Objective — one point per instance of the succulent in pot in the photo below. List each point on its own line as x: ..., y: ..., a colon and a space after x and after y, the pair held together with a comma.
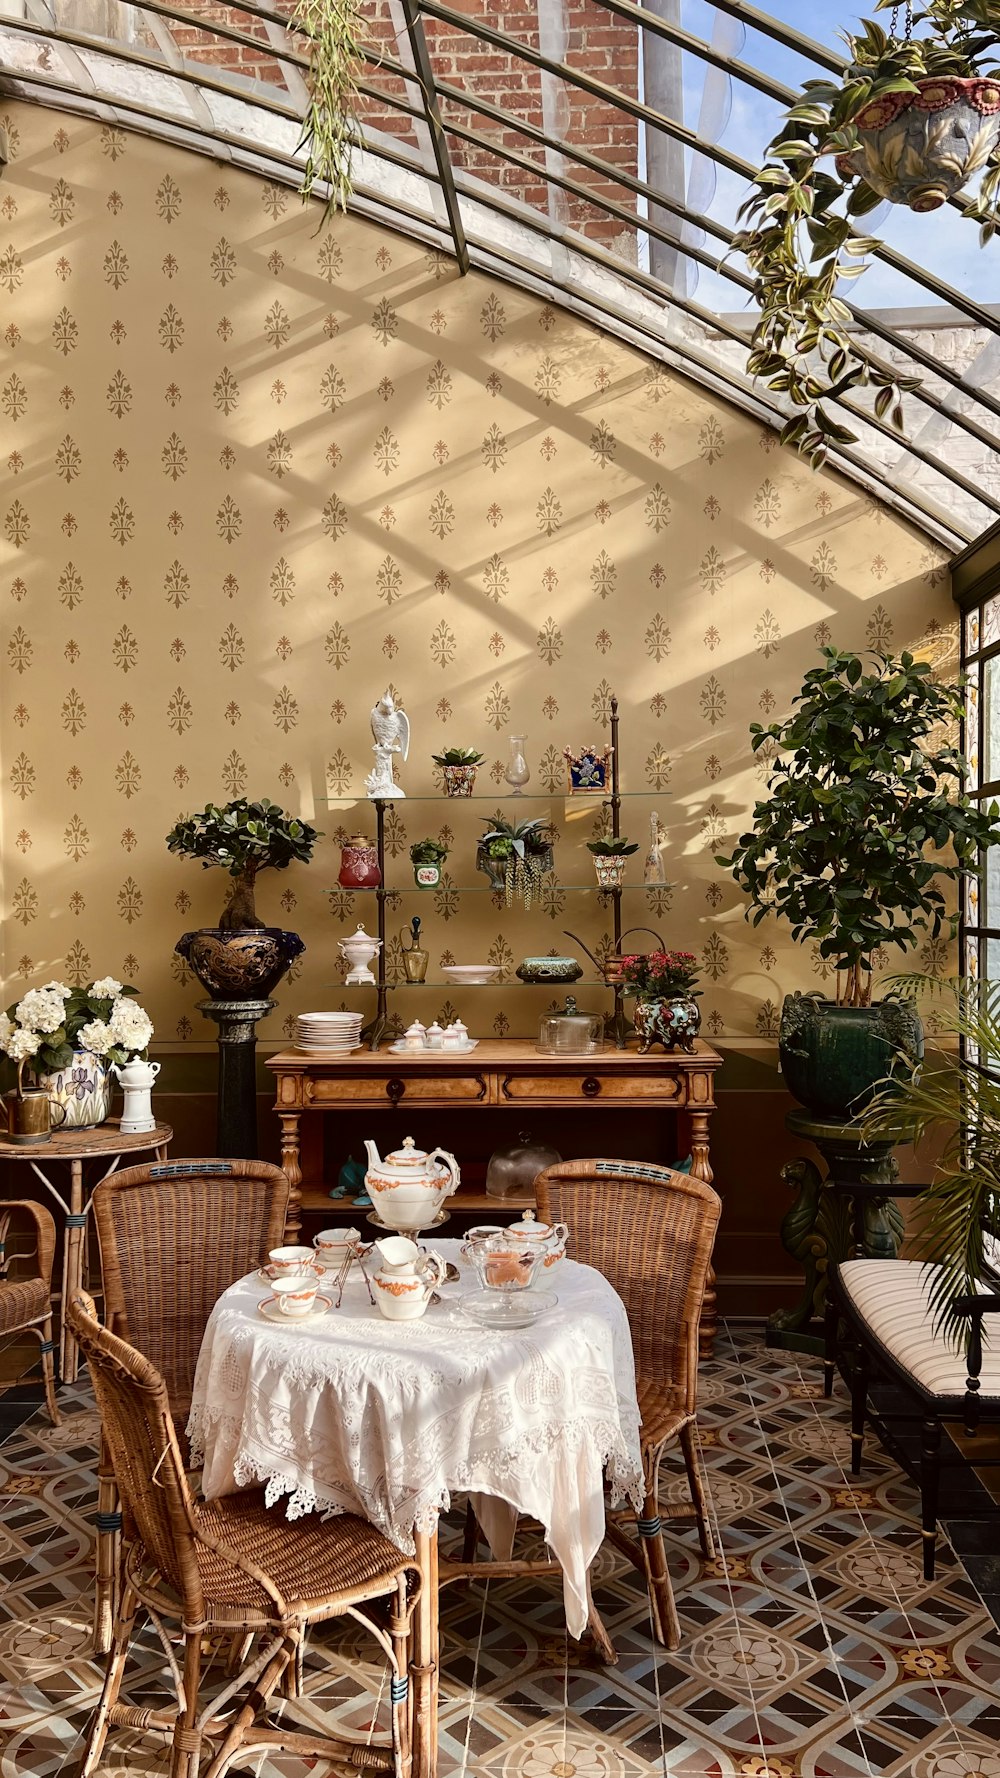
x: 609, y: 857
x: 427, y: 857
x: 664, y: 985
x: 865, y: 812
x: 241, y: 958
x: 459, y: 766
x: 515, y: 856
x: 911, y: 119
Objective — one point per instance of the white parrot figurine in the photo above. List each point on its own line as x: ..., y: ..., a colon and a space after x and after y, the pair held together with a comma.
x: 391, y: 730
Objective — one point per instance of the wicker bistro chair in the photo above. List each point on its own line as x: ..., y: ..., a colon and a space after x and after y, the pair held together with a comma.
x: 26, y: 1300
x: 230, y: 1568
x: 173, y: 1236
x: 650, y: 1231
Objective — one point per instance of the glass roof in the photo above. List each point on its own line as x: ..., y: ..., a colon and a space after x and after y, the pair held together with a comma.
x: 593, y: 150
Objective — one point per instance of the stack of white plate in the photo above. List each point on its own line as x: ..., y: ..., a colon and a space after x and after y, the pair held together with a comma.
x: 339, y: 1031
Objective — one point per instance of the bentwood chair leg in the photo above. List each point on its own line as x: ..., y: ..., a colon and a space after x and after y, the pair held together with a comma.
x: 859, y: 1407
x: 831, y: 1318
x: 930, y: 1471
x: 652, y: 1556
x: 470, y: 1537
x: 121, y: 1637
x: 186, y: 1746
x: 595, y: 1623
x: 399, y: 1682
x: 49, y: 1371
x: 696, y: 1483
x: 109, y: 1521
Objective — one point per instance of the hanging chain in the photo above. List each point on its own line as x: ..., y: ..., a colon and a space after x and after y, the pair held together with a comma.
x: 894, y: 21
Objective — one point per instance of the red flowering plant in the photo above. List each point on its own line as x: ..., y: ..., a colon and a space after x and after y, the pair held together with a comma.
x: 661, y: 975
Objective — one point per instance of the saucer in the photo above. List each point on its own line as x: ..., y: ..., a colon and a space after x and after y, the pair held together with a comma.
x: 509, y: 1308
x: 271, y: 1311
x: 442, y: 1216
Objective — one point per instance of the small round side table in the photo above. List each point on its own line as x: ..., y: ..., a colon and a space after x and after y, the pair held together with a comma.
x: 71, y: 1148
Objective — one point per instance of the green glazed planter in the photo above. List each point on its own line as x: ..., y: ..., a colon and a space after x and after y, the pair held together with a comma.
x: 833, y: 1057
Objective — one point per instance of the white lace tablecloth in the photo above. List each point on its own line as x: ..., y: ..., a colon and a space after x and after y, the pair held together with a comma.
x: 388, y: 1418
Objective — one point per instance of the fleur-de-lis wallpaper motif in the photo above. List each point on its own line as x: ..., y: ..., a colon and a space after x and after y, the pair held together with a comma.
x: 297, y: 462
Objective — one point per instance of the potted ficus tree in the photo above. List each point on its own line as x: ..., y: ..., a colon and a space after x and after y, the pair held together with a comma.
x: 913, y: 119
x: 865, y: 814
x: 241, y: 958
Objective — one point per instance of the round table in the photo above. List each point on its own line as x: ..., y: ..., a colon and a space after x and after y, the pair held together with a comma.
x: 71, y: 1148
x: 355, y: 1413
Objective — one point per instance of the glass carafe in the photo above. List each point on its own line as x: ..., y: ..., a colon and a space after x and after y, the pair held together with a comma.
x: 518, y: 772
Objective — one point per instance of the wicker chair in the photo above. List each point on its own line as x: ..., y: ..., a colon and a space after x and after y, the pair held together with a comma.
x: 26, y: 1301
x: 173, y: 1237
x: 230, y: 1569
x: 650, y: 1231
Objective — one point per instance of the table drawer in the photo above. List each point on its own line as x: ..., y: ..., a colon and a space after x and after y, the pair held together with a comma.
x: 590, y: 1085
x: 396, y: 1089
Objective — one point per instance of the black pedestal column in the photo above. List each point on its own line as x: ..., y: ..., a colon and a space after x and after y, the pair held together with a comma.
x: 236, y: 1128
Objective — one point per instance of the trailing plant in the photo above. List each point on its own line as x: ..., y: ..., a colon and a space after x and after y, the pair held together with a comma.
x: 956, y: 1098
x: 335, y: 56
x: 801, y: 241
x: 661, y: 975
x: 458, y: 756
x: 865, y: 812
x: 428, y: 852
x: 243, y: 838
x: 525, y: 849
x: 612, y: 848
x: 44, y: 1028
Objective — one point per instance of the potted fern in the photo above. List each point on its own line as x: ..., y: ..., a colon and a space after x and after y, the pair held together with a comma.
x: 241, y: 958
x: 865, y: 814
x: 911, y: 119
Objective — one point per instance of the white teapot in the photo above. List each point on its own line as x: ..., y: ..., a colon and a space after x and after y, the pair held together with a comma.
x: 409, y: 1187
x: 136, y: 1081
x: 406, y: 1278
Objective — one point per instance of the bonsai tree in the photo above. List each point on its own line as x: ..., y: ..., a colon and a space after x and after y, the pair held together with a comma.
x: 515, y: 855
x: 243, y: 838
x: 864, y: 814
x: 902, y: 125
x: 957, y: 1098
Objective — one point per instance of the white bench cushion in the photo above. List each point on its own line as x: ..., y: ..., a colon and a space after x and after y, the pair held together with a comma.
x: 892, y: 1296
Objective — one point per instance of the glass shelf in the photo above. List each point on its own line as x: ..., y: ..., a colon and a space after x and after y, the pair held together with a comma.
x: 580, y: 799
x: 484, y: 889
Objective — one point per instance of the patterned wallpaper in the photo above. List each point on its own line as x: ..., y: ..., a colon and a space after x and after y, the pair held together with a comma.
x: 256, y: 470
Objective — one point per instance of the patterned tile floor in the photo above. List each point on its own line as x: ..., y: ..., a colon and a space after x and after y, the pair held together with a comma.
x: 812, y: 1647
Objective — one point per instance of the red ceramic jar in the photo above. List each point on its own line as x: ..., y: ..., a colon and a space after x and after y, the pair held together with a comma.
x: 359, y: 864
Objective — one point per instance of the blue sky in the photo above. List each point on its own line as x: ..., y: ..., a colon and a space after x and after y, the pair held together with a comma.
x: 941, y: 240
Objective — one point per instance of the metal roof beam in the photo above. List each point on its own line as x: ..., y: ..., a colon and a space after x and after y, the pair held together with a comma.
x: 446, y: 175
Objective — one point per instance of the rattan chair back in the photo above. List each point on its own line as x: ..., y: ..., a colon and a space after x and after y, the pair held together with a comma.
x: 650, y: 1231
x: 173, y: 1237
x: 139, y: 1431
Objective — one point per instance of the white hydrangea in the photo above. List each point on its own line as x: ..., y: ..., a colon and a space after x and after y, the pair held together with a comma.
x: 40, y: 1010
x: 131, y: 1027
x: 97, y: 1037
x: 106, y: 989
x: 22, y: 1043
x: 6, y: 1028
x: 57, y: 988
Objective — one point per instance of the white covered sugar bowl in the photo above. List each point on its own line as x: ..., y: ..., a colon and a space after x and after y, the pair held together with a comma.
x: 409, y: 1187
x: 547, y: 1240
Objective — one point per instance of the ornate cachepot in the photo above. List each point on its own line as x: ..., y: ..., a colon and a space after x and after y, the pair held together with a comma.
x: 244, y: 964
x: 832, y: 1057
x: 674, y: 1023
x: 83, y: 1089
x: 919, y: 149
x: 459, y: 780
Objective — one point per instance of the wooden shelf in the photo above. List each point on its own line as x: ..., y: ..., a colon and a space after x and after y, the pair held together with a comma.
x: 316, y: 1197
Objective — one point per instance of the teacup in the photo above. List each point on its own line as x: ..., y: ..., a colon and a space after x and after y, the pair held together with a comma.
x: 333, y: 1245
x: 296, y: 1293
x: 283, y: 1262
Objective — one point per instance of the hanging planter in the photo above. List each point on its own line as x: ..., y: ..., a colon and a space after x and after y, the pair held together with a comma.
x: 914, y: 119
x: 329, y: 125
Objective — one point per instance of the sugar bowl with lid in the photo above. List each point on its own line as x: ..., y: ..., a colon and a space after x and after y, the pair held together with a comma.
x: 546, y: 1240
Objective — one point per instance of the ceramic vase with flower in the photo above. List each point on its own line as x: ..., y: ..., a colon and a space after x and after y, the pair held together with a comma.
x: 70, y: 1038
x: 663, y: 984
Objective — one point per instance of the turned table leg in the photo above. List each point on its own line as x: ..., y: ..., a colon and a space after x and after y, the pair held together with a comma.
x: 76, y: 1220
x: 292, y: 1171
x: 701, y: 1168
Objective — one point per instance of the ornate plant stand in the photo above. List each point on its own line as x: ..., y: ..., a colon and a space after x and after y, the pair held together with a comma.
x: 849, y: 1212
x: 236, y: 1107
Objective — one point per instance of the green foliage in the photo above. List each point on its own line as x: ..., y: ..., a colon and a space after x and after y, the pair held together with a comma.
x: 612, y: 848
x: 954, y: 1097
x: 527, y: 848
x: 243, y: 838
x: 801, y: 219
x: 428, y: 852
x: 335, y: 58
x: 865, y: 812
x: 458, y: 756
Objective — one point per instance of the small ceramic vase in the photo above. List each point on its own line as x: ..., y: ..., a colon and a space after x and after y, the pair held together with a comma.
x: 459, y: 780
x: 359, y: 864
x: 674, y: 1023
x: 610, y: 868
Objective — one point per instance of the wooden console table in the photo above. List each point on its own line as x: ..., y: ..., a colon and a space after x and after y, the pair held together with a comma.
x: 499, y: 1072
